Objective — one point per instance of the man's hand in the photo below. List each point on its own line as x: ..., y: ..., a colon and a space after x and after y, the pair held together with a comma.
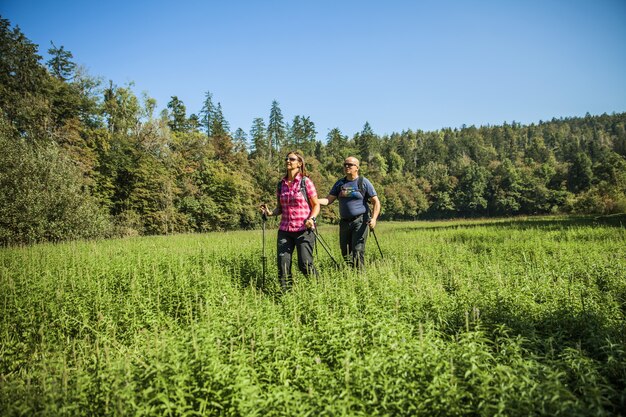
x: 372, y: 223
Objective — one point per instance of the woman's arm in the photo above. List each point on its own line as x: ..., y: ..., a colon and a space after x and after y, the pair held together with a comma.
x: 315, y: 210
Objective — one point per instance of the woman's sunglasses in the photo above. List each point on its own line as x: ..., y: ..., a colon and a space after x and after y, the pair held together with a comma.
x: 291, y: 159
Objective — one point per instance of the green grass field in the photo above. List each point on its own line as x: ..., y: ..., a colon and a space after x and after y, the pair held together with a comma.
x: 483, y: 317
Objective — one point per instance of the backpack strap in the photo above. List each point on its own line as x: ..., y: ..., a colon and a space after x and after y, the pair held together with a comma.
x: 304, y: 191
x: 359, y: 182
x: 364, y: 194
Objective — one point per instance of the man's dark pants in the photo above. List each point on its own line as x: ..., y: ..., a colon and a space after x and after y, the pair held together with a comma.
x: 352, y: 238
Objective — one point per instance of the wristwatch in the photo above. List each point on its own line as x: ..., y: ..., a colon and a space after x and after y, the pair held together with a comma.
x: 314, y: 219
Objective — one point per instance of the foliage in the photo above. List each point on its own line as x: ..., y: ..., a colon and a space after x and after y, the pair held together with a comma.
x: 42, y: 196
x: 519, y: 317
x: 152, y: 174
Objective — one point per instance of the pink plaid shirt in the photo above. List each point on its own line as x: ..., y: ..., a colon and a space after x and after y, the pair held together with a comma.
x: 295, y: 209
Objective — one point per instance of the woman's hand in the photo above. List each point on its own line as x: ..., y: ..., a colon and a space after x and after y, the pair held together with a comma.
x: 264, y: 210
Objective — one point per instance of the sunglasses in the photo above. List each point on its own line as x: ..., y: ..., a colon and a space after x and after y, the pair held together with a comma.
x: 292, y: 159
x: 349, y: 165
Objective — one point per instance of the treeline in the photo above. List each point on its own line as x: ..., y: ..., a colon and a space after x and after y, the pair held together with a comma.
x: 84, y: 158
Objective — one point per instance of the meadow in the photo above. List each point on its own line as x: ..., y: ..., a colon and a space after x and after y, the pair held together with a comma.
x: 522, y: 316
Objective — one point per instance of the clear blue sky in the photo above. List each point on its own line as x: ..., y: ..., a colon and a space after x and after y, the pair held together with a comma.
x: 396, y: 64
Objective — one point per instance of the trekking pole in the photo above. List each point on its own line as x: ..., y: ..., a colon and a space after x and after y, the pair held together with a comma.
x: 377, y: 244
x: 325, y: 246
x: 263, y: 257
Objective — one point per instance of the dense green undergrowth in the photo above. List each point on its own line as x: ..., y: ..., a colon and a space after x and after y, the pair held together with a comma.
x: 484, y: 317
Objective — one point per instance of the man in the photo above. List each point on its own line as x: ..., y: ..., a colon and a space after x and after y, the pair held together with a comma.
x: 353, y: 193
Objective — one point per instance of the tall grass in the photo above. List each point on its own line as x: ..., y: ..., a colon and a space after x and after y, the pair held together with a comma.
x: 520, y: 317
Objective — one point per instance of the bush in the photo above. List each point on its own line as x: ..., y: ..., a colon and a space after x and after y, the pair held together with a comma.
x: 602, y: 199
x: 42, y: 196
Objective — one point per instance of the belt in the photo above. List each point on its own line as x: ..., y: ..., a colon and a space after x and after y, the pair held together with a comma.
x: 349, y: 219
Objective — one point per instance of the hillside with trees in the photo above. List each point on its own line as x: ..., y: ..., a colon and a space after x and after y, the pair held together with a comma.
x: 84, y: 158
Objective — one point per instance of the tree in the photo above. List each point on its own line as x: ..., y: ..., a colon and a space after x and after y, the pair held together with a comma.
x: 275, y: 130
x: 152, y: 195
x: 224, y: 199
x: 121, y: 109
x: 366, y: 142
x: 336, y: 142
x: 441, y: 188
x: 506, y: 188
x: 207, y: 113
x: 240, y: 141
x: 302, y: 134
x: 471, y: 192
x: 23, y: 85
x: 193, y: 123
x: 401, y: 196
x: 219, y: 125
x: 260, y: 148
x: 580, y: 173
x: 177, y: 115
x: 431, y: 147
x: 60, y: 63
x: 537, y: 149
x: 395, y: 162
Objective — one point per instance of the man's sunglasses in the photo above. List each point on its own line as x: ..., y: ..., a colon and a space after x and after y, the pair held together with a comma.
x: 349, y: 165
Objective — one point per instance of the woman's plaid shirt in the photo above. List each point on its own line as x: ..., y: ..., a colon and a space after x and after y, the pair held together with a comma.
x: 295, y: 209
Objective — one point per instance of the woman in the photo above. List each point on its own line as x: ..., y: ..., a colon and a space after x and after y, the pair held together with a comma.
x: 298, y: 206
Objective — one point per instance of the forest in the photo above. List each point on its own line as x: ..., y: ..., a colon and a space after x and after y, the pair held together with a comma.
x: 87, y: 158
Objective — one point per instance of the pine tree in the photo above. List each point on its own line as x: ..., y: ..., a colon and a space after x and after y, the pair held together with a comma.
x: 219, y: 126
x: 258, y: 139
x: 207, y: 113
x: 60, y: 63
x: 275, y: 130
x: 366, y: 143
x: 302, y: 134
x: 240, y: 140
x: 23, y: 84
x: 178, y: 115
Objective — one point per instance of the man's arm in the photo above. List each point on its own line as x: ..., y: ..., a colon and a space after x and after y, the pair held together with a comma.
x: 375, y: 211
x: 328, y: 200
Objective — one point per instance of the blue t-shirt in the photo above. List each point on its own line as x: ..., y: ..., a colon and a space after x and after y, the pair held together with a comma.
x: 351, y: 201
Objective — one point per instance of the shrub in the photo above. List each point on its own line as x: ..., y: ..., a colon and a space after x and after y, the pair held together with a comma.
x: 42, y: 196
